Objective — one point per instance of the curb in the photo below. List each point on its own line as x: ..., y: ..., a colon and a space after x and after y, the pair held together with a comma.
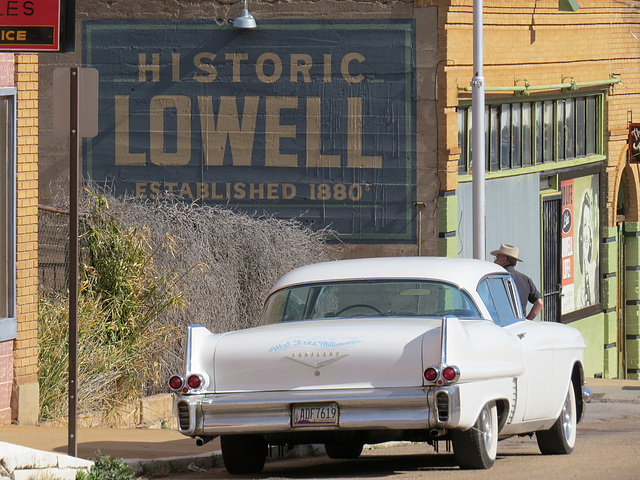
x: 170, y: 465
x: 197, y: 463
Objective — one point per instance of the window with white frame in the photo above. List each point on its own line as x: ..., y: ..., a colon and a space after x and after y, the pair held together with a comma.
x: 8, y: 326
x: 521, y: 134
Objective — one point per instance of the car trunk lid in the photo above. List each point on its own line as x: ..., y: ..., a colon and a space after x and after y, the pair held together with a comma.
x: 326, y: 354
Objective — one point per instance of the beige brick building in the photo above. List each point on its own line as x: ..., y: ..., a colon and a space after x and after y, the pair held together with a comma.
x: 25, y: 389
x: 538, y: 59
x: 19, y: 341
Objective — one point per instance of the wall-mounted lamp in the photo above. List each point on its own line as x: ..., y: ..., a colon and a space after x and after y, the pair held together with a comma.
x: 568, y: 6
x: 246, y: 20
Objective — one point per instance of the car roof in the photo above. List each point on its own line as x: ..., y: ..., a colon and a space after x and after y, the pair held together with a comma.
x: 464, y: 272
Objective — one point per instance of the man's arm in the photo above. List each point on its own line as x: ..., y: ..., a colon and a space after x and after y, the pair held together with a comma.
x: 535, y: 310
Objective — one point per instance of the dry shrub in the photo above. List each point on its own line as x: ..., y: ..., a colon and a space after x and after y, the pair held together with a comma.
x: 121, y: 296
x: 238, y: 259
x: 150, y: 269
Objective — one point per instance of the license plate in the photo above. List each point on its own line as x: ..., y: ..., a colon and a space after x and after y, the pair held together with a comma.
x: 313, y: 414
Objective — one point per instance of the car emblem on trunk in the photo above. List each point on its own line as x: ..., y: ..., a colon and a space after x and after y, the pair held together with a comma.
x: 316, y: 359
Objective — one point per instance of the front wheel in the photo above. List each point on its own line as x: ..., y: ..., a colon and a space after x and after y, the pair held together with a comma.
x: 477, y: 447
x: 243, y: 454
x: 561, y: 438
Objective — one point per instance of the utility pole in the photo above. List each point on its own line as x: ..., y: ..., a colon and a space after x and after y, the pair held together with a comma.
x: 477, y: 139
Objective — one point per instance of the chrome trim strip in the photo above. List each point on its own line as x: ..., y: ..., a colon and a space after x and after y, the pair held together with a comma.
x: 319, y: 364
x: 189, y: 349
x: 443, y: 342
x: 263, y: 412
x: 453, y: 392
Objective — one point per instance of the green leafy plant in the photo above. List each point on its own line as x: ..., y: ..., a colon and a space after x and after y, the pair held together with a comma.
x: 121, y: 297
x: 107, y: 468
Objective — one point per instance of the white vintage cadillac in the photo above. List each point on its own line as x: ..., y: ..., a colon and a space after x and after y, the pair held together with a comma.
x: 366, y: 351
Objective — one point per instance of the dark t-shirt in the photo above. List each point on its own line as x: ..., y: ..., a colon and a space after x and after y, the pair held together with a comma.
x: 527, y: 290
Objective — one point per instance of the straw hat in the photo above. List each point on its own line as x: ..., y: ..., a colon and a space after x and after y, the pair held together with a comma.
x: 508, y: 251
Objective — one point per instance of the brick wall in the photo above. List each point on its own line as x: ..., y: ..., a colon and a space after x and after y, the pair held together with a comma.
x: 25, y: 410
x: 6, y: 378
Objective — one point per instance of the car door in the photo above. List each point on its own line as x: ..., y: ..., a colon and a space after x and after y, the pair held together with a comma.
x: 536, y: 387
x: 540, y: 370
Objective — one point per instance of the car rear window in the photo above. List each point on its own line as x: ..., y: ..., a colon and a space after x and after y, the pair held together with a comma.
x: 368, y: 299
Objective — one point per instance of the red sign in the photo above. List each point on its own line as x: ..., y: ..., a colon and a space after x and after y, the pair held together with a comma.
x: 30, y: 25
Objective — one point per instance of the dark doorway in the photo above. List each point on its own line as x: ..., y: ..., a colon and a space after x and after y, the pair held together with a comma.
x: 552, y: 281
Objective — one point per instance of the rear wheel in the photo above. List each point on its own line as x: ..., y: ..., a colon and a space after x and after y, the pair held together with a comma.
x: 477, y: 447
x: 561, y: 438
x: 343, y: 450
x: 243, y: 453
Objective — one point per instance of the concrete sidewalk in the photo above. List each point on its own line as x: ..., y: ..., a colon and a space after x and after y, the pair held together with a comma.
x: 150, y: 450
x: 614, y: 391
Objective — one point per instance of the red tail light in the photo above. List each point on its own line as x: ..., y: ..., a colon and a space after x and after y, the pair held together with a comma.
x: 194, y: 381
x: 176, y: 382
x: 430, y: 374
x: 449, y: 373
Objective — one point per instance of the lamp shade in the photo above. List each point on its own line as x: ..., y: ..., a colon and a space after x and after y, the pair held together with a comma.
x: 568, y: 6
x: 245, y: 20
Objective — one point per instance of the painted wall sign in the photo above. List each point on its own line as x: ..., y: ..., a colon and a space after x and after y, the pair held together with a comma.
x: 634, y: 143
x: 580, y: 241
x: 30, y: 25
x: 310, y: 119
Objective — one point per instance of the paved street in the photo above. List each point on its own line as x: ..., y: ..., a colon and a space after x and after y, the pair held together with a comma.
x: 607, y: 448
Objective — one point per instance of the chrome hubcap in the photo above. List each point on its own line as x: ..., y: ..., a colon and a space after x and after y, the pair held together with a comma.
x: 567, y: 417
x: 486, y: 428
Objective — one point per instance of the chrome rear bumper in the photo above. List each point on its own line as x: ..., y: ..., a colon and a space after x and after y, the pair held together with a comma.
x: 360, y: 409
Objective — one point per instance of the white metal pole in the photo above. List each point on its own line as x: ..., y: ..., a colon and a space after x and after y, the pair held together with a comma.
x: 477, y: 140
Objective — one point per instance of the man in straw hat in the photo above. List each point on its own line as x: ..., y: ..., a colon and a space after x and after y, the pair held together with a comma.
x: 507, y: 257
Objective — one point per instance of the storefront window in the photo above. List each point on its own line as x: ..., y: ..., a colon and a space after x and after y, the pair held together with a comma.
x: 494, y: 139
x: 521, y: 134
x: 562, y: 125
x: 591, y: 127
x: 7, y: 216
x: 570, y: 128
x: 505, y: 150
x: 487, y: 139
x: 462, y: 139
x: 527, y: 152
x: 581, y: 144
x: 547, y: 133
x: 516, y: 136
x: 539, y: 132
